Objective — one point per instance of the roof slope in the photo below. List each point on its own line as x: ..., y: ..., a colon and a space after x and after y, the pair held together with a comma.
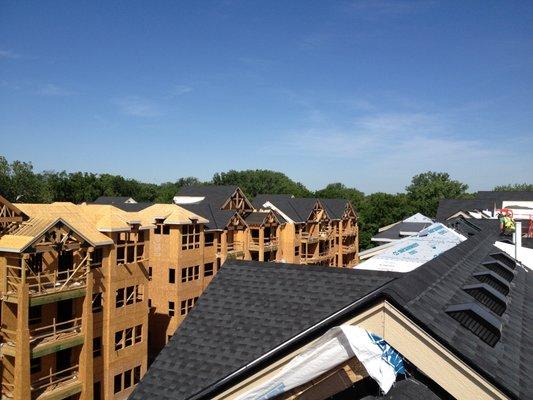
x: 426, y: 292
x: 499, y: 197
x: 216, y: 195
x: 270, y: 304
x: 400, y: 230
x: 449, y: 207
x: 297, y: 209
x: 112, y: 199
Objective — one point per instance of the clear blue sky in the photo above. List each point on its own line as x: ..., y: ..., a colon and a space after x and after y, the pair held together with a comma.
x: 368, y: 93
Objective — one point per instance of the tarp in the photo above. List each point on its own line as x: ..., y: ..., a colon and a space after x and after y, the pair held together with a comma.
x: 337, y: 345
x: 410, y: 253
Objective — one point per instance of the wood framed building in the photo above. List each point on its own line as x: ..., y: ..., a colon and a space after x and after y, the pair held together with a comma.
x: 74, y: 314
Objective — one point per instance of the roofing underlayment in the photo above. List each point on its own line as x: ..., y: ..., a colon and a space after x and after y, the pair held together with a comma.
x: 410, y: 253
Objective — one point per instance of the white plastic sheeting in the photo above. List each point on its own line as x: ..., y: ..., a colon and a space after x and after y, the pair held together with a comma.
x: 410, y: 253
x: 337, y: 345
x: 418, y: 218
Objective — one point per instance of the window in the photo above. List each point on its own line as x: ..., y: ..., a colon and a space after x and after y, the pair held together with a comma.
x: 97, y: 390
x: 97, y: 346
x: 138, y: 333
x: 119, y: 336
x: 208, y: 269
x: 129, y: 295
x: 97, y: 302
x: 187, y: 305
x: 157, y: 230
x: 96, y: 258
x: 130, y: 247
x: 35, y: 365
x: 297, y: 251
x: 209, y: 239
x: 118, y: 383
x: 119, y: 299
x: 190, y: 273
x: 34, y: 316
x: 149, y: 303
x: 136, y: 374
x: 128, y: 337
x: 170, y: 308
x: 35, y: 262
x: 166, y: 230
x: 171, y: 275
x: 127, y: 379
x: 190, y: 237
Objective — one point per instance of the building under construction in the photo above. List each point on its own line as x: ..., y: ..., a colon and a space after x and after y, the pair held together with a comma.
x: 91, y: 293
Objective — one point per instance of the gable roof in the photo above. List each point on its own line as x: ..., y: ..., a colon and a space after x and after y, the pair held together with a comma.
x: 257, y: 218
x: 215, y: 195
x: 334, y: 207
x: 113, y: 200
x: 297, y: 209
x: 450, y: 207
x: 271, y: 304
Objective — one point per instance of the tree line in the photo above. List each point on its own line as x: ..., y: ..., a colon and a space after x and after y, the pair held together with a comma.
x: 20, y: 183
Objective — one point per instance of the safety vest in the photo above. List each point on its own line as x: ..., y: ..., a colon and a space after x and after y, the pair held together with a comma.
x: 508, y: 224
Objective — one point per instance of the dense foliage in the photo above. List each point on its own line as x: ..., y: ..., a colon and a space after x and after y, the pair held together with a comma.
x: 18, y: 182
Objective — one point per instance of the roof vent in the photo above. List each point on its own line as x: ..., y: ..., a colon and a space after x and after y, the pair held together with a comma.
x: 489, y: 297
x: 493, y: 280
x: 504, y: 258
x: 501, y: 269
x: 477, y: 320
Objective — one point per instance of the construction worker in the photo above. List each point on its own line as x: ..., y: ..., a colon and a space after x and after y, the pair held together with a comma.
x: 507, y: 224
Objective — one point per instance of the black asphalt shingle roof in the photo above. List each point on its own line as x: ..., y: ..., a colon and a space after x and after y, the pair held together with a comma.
x: 218, y: 219
x: 449, y: 207
x: 132, y: 207
x: 393, y: 233
x: 271, y: 303
x: 500, y: 197
x: 215, y: 195
x: 111, y: 199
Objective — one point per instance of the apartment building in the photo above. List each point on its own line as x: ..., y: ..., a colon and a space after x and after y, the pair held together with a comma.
x: 316, y: 231
x: 74, y: 313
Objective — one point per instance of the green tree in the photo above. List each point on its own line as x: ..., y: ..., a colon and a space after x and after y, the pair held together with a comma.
x: 520, y: 187
x: 340, y: 191
x: 254, y: 182
x: 428, y: 188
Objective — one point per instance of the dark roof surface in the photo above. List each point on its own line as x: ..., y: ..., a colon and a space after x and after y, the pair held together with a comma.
x: 111, y: 199
x: 271, y: 303
x: 296, y: 208
x: 132, y: 207
x: 334, y: 207
x: 216, y: 195
x: 406, y: 389
x: 393, y: 233
x: 500, y: 197
x: 448, y: 207
x: 257, y: 217
x: 218, y: 219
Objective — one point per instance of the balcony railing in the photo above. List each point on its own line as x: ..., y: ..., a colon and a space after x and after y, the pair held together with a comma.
x: 308, y: 237
x: 351, y: 231
x: 8, y: 390
x: 55, y: 331
x: 54, y: 380
x: 44, y: 283
x: 325, y: 234
x: 349, y: 248
x: 268, y: 243
x: 233, y: 247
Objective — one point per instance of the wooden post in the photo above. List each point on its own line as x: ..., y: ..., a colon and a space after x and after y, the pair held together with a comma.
x: 86, y: 355
x: 22, y: 347
x: 262, y: 243
x: 340, y: 250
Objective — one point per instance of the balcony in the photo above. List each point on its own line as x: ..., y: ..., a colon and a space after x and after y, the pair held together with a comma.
x: 351, y: 231
x: 307, y: 237
x: 233, y: 249
x: 47, y: 339
x: 57, y: 385
x: 47, y: 287
x: 325, y: 234
x: 349, y: 248
x: 269, y: 244
x: 312, y: 258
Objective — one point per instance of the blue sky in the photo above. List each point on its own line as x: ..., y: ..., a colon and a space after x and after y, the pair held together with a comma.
x: 368, y: 93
